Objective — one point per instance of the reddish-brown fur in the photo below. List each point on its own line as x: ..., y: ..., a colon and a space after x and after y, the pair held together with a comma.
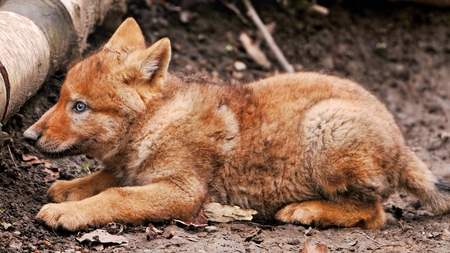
x: 304, y: 148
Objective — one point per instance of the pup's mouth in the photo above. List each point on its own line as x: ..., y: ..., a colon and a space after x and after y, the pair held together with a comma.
x: 56, y: 154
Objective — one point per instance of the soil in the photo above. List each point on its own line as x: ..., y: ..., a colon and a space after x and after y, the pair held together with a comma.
x: 400, y: 52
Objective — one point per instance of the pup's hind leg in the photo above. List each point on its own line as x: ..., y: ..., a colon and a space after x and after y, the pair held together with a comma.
x: 322, y: 213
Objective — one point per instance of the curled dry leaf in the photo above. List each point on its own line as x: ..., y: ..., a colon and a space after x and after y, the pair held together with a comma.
x: 33, y: 160
x: 254, y: 51
x: 255, y: 236
x: 200, y: 221
x: 224, y: 213
x: 152, y: 232
x: 167, y: 233
x: 53, y: 174
x: 114, y: 228
x: 50, y: 169
x: 27, y: 158
x: 319, y: 248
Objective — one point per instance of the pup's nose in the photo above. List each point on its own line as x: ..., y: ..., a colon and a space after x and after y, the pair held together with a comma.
x: 31, y: 136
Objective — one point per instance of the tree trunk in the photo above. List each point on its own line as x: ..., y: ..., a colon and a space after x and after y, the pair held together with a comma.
x: 38, y: 38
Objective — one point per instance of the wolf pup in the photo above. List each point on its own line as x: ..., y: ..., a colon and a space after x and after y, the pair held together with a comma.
x: 303, y: 148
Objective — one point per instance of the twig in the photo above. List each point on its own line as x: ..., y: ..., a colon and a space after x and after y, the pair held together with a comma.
x: 234, y: 9
x: 319, y: 9
x: 390, y: 246
x: 370, y: 238
x: 269, y: 39
x: 12, y: 157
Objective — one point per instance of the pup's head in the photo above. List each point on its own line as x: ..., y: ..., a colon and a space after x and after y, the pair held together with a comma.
x: 103, y: 95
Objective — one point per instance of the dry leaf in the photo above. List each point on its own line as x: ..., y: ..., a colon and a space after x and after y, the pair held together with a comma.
x: 53, y: 174
x: 101, y: 236
x: 151, y: 232
x: 254, y: 51
x: 255, y: 236
x: 190, y: 224
x: 200, y: 221
x: 167, y: 233
x: 32, y: 160
x: 27, y: 158
x: 319, y: 248
x: 445, y: 234
x: 224, y: 213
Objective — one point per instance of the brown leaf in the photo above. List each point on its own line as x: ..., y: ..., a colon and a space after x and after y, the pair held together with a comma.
x: 254, y: 234
x: 202, y: 218
x: 27, y: 158
x: 200, y: 221
x: 53, y: 174
x: 254, y: 51
x: 190, y: 224
x: 319, y: 248
x: 33, y: 160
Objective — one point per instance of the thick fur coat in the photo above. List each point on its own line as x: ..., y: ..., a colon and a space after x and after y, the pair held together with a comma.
x: 304, y: 148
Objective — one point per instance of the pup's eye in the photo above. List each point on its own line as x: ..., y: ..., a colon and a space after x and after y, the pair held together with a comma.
x: 79, y: 107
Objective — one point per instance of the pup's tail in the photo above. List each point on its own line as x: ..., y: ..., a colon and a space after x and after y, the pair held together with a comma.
x: 417, y: 179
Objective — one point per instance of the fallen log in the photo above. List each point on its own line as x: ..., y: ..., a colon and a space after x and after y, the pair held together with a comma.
x: 37, y: 38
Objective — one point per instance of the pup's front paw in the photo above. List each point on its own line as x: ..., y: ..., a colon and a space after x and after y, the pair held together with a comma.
x: 61, y: 191
x: 64, y: 215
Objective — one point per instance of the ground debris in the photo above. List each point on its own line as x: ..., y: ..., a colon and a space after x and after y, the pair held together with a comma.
x: 255, y: 236
x: 254, y: 51
x: 152, y: 232
x: 225, y: 213
x: 100, y: 236
x: 319, y: 248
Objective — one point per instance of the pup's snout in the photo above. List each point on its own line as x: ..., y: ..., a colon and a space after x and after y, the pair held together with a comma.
x: 31, y: 136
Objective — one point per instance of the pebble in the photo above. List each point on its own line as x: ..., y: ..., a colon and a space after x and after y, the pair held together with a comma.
x: 211, y: 229
x: 239, y: 66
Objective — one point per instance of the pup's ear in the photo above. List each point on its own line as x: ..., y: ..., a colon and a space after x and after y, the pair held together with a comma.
x: 127, y: 37
x: 154, y: 62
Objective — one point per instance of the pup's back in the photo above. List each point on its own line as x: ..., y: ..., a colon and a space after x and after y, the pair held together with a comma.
x: 324, y: 146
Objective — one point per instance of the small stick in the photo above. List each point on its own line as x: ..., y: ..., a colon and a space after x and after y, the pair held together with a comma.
x: 269, y: 39
x: 234, y: 9
x: 12, y: 157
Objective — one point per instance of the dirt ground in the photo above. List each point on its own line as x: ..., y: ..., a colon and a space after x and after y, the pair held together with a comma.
x: 400, y: 52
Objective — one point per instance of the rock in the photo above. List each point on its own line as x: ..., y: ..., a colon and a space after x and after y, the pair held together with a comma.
x: 211, y: 229
x: 239, y: 66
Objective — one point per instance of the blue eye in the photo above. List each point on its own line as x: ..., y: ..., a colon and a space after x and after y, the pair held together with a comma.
x: 80, y: 107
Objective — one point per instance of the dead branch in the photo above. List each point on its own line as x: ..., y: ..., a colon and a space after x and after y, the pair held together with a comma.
x: 236, y: 11
x: 268, y: 37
